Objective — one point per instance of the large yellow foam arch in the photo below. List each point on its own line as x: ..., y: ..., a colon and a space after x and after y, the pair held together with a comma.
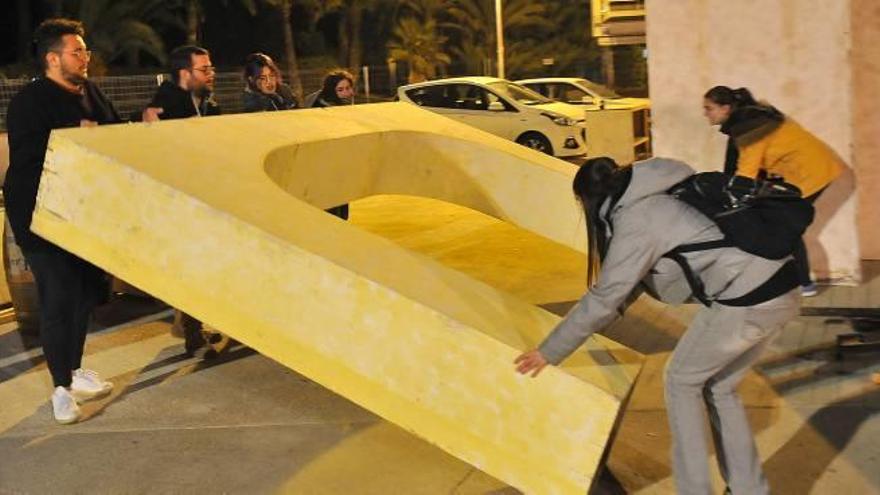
x: 222, y: 217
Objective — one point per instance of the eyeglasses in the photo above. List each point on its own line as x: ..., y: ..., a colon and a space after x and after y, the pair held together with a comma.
x: 208, y: 69
x: 80, y: 53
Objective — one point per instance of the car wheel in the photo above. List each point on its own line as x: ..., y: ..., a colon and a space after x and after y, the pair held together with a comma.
x: 536, y: 141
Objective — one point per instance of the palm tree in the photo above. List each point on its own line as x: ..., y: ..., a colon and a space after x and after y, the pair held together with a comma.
x: 420, y: 45
x: 195, y: 16
x: 125, y: 28
x: 476, y: 27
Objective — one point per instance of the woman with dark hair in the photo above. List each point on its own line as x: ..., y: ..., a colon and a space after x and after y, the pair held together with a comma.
x: 337, y: 89
x: 763, y: 141
x: 631, y: 224
x: 264, y: 91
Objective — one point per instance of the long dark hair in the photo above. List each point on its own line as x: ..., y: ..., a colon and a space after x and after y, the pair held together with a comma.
x: 328, y: 87
x: 595, y: 182
x: 736, y: 98
x: 253, y: 67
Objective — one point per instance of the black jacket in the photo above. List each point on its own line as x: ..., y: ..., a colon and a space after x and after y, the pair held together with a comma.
x: 177, y: 103
x: 283, y: 99
x: 38, y: 108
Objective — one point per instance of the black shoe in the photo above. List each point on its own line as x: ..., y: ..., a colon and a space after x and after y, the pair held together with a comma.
x: 204, y: 351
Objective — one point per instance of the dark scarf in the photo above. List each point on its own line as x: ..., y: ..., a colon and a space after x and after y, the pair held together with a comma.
x: 752, y: 123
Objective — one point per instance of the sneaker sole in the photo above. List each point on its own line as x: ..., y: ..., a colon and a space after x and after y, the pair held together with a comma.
x: 82, y: 395
x: 68, y: 421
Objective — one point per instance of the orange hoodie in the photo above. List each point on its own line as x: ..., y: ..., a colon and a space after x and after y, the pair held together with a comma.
x: 792, y: 152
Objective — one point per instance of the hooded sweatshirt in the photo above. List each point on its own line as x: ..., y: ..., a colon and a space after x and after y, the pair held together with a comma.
x: 648, y: 223
x: 768, y: 141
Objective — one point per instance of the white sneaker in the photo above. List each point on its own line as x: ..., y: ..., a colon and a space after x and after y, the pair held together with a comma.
x: 64, y: 406
x: 809, y: 290
x: 86, y: 384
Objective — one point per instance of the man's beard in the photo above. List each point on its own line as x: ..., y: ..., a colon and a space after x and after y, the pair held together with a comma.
x: 74, y: 77
x: 203, y: 91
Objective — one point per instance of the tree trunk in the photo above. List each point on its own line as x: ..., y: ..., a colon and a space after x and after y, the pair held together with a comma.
x: 24, y: 29
x: 344, y: 39
x: 355, y: 44
x: 192, y: 22
x: 290, y: 50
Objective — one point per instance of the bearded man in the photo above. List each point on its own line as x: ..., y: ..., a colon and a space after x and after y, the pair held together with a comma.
x: 68, y: 287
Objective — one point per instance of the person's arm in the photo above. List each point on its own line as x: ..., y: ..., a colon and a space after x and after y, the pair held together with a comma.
x: 631, y: 255
x: 28, y: 125
x: 751, y: 158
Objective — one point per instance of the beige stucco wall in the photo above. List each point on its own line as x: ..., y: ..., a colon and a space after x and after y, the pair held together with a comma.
x: 793, y: 53
x: 866, y: 108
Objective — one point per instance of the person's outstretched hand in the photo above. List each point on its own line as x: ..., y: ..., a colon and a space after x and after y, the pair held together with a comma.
x: 151, y: 114
x: 531, y: 361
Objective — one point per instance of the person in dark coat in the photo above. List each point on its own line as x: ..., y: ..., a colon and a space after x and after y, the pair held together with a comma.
x: 68, y: 287
x: 190, y: 91
x: 188, y: 94
x: 264, y: 91
x: 337, y: 89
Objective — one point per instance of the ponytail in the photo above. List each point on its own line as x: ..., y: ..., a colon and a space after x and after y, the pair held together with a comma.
x: 736, y: 98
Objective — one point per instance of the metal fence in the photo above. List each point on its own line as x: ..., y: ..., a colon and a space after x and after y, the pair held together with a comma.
x: 130, y: 94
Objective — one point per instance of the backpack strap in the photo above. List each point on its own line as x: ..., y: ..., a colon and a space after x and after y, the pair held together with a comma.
x: 693, y: 280
x: 696, y: 285
x: 784, y: 280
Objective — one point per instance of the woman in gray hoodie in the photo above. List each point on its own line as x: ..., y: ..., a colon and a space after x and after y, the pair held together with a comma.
x: 632, y: 223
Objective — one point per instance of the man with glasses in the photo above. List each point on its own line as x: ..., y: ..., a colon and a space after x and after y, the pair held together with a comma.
x: 68, y: 287
x: 188, y: 94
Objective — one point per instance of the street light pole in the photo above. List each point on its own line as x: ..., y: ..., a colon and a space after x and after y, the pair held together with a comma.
x: 499, y: 36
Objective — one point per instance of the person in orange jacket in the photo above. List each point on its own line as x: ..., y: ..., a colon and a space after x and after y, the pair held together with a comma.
x: 765, y: 142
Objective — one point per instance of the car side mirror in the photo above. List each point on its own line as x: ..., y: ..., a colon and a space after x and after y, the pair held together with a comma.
x: 496, y: 106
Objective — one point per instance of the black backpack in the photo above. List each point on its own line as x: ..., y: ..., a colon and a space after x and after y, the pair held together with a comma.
x: 766, y: 218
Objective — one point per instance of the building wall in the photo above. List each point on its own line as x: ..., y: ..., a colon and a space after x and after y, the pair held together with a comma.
x: 793, y: 53
x: 866, y: 109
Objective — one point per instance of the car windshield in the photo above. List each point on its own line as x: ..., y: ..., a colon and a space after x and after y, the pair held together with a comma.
x: 519, y: 93
x: 598, y: 89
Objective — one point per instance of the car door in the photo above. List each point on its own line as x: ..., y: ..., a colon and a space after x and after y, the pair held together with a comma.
x: 486, y: 110
x: 569, y: 93
x: 439, y: 98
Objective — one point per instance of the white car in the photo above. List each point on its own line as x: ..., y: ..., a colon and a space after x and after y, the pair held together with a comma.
x: 505, y: 109
x: 579, y: 91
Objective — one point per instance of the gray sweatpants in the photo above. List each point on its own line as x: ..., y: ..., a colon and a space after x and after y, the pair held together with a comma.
x: 706, y: 366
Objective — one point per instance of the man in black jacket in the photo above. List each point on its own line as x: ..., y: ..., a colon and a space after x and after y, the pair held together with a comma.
x: 68, y: 287
x: 190, y: 91
x: 188, y: 94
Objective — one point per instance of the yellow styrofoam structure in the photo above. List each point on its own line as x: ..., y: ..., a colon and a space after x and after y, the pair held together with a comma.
x: 222, y: 217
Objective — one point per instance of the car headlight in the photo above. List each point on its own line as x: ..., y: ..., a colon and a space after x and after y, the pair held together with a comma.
x: 559, y: 119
